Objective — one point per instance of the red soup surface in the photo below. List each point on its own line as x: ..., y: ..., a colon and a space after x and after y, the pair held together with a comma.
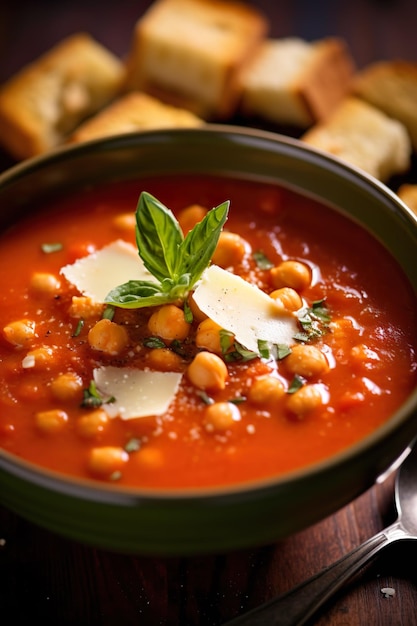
x: 236, y: 415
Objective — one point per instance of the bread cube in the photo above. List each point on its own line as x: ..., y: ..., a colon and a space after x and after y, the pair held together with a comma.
x: 191, y: 53
x: 362, y: 135
x: 47, y: 99
x: 392, y: 87
x: 134, y: 111
x: 297, y: 83
x: 407, y: 192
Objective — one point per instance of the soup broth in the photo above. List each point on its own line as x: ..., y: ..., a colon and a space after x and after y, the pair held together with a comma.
x: 262, y: 413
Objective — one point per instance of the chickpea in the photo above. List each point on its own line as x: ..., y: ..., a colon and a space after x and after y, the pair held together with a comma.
x: 164, y: 360
x: 105, y: 461
x: 92, y: 424
x: 169, y: 323
x: 109, y: 337
x: 230, y: 250
x: 38, y: 358
x: 67, y: 386
x: 287, y: 298
x: 125, y: 222
x: 20, y: 333
x: 208, y: 336
x: 291, y: 274
x: 362, y: 354
x: 44, y: 283
x: 363, y: 358
x: 306, y: 360
x: 50, y: 422
x: 190, y: 216
x: 208, y: 371
x: 305, y: 400
x: 221, y: 416
x: 198, y: 315
x: 150, y: 458
x: 266, y: 390
x: 84, y: 307
x: 342, y: 328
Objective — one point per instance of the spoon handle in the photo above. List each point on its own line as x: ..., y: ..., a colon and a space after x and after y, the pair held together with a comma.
x: 295, y: 607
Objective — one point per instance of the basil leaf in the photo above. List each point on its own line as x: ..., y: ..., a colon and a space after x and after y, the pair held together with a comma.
x: 137, y: 294
x: 158, y: 237
x: 199, y: 245
x: 176, y: 262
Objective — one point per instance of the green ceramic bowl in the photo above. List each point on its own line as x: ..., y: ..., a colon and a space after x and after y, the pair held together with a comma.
x: 184, y: 523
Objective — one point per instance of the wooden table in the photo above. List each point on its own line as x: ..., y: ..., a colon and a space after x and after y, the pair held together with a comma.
x: 57, y: 582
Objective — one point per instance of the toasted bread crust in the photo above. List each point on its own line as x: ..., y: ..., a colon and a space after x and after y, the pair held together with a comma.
x: 134, y: 111
x: 364, y: 136
x: 191, y: 53
x: 47, y: 99
x: 295, y: 82
x: 392, y: 87
x: 408, y: 194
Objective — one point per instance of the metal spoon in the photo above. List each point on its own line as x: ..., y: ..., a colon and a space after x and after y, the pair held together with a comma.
x: 301, y: 603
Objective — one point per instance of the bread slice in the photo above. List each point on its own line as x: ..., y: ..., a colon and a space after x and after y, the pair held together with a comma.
x: 407, y: 192
x: 297, y: 83
x: 191, y: 53
x: 47, y: 99
x: 364, y: 136
x: 134, y: 112
x: 392, y: 87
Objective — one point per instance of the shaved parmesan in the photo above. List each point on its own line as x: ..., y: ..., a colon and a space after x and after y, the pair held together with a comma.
x: 243, y: 309
x: 98, y: 273
x: 136, y: 393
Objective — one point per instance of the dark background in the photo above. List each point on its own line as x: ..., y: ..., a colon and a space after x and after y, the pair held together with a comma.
x: 55, y: 582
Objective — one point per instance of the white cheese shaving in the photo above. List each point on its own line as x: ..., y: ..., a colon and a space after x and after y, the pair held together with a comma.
x: 98, y: 273
x: 243, y: 309
x: 137, y: 393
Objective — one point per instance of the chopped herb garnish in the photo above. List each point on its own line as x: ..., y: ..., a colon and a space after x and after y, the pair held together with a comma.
x: 240, y: 353
x: 116, y: 475
x: 153, y: 342
x: 79, y: 328
x: 48, y: 248
x: 263, y: 347
x: 277, y: 351
x: 262, y: 260
x: 177, y: 347
x: 238, y: 400
x: 133, y: 445
x: 282, y: 350
x: 92, y: 399
x: 176, y: 262
x: 314, y: 321
x: 296, y: 384
x: 205, y: 397
x: 244, y: 353
x: 226, y: 340
x: 188, y: 314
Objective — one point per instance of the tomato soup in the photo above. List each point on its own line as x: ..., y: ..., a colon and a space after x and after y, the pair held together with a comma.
x: 234, y: 412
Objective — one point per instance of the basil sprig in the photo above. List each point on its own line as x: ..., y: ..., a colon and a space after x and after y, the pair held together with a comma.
x: 177, y: 262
